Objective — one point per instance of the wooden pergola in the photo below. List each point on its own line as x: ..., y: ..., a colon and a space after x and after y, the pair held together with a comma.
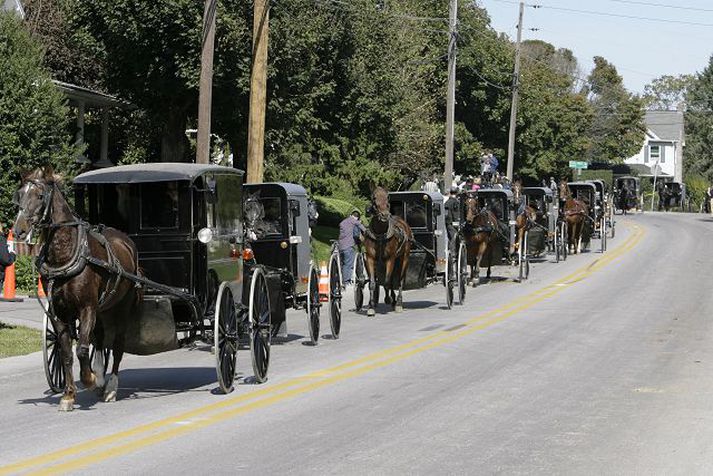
x: 81, y: 98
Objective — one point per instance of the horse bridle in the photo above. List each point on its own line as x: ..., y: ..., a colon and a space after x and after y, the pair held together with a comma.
x: 42, y: 218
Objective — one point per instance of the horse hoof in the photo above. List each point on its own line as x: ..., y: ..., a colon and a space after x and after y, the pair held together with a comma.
x: 371, y: 313
x: 91, y: 384
x: 66, y: 404
x: 112, y: 385
x: 398, y: 308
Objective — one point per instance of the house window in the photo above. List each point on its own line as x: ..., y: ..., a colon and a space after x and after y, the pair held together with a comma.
x: 655, y: 153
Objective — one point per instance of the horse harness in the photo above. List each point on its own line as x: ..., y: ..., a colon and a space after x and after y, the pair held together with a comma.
x: 391, y: 231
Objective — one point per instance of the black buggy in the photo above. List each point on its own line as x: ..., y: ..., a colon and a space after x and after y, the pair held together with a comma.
x: 502, y: 203
x: 201, y: 281
x: 594, y: 221
x: 277, y: 225
x: 543, y: 235
x: 634, y: 199
x: 430, y: 260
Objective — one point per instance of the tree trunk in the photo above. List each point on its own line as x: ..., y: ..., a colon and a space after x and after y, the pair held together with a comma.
x: 174, y: 143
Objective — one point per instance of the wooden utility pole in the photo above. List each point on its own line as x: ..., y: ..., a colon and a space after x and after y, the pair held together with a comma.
x: 451, y: 95
x: 515, y: 93
x: 205, y: 96
x: 258, y: 92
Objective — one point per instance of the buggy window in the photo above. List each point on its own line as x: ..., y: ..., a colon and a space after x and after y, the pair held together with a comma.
x: 416, y: 215
x: 229, y: 201
x: 159, y: 205
x: 273, y: 215
x: 115, y: 205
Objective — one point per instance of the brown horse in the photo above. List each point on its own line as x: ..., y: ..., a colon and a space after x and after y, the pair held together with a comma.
x: 525, y: 218
x: 479, y: 231
x: 77, y: 289
x: 387, y: 243
x: 575, y: 212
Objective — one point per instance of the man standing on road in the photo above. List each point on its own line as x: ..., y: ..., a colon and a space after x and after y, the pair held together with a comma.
x: 6, y: 257
x: 349, y: 230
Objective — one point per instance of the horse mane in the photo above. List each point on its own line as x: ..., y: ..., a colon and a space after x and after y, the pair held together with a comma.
x: 381, y: 199
x: 45, y: 174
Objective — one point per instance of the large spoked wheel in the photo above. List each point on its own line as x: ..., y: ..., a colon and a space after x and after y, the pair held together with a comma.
x: 359, y: 281
x: 260, y: 325
x: 564, y: 240
x: 335, y: 295
x: 313, y: 305
x: 52, y: 356
x: 524, y: 259
x: 448, y: 280
x: 225, y: 337
x: 462, y: 273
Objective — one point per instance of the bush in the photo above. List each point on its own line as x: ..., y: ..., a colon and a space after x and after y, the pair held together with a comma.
x: 25, y: 275
x: 332, y: 210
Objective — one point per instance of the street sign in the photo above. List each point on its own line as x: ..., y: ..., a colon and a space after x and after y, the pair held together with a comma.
x: 577, y: 164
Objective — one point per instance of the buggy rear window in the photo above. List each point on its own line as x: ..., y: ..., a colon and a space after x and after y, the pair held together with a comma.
x: 159, y: 205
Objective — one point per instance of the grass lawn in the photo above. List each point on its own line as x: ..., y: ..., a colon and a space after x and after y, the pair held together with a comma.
x: 320, y: 242
x: 18, y: 340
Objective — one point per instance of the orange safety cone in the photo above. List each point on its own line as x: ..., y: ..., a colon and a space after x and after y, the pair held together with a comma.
x: 8, y: 290
x: 323, y: 282
x: 40, y: 289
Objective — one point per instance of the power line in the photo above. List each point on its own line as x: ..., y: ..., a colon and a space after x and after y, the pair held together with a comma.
x: 607, y: 14
x: 663, y: 5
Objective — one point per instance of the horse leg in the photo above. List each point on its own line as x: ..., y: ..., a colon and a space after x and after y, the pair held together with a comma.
x: 388, y: 285
x: 66, y: 403
x: 98, y: 364
x: 87, y: 319
x: 580, y: 231
x: 370, y: 268
x: 402, y: 277
x: 112, y: 382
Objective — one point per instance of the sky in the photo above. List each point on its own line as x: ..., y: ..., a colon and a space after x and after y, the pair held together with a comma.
x: 640, y: 49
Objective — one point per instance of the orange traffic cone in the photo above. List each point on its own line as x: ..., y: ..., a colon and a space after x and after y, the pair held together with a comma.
x: 323, y: 282
x: 40, y: 289
x: 8, y: 290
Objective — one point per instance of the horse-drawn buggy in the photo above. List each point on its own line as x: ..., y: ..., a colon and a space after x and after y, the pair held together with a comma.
x: 594, y: 225
x: 543, y: 235
x: 178, y: 271
x: 628, y: 194
x: 495, y: 231
x: 277, y: 231
x: 429, y: 259
x: 605, y: 202
x: 671, y: 195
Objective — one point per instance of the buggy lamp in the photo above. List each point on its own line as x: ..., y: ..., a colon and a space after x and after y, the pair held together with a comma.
x: 205, y: 235
x: 438, y: 232
x: 248, y: 254
x: 295, y: 240
x: 304, y: 279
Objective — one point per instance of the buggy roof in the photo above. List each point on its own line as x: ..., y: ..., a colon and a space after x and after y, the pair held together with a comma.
x: 580, y: 184
x: 434, y: 196
x: 495, y: 191
x: 292, y: 189
x: 154, y: 172
x: 544, y: 190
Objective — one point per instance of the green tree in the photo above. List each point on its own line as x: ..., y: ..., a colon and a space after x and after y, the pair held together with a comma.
x: 699, y: 124
x: 33, y: 116
x: 618, y: 127
x: 668, y: 92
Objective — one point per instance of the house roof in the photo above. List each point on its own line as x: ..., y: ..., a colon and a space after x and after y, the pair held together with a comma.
x: 667, y: 125
x: 89, y: 96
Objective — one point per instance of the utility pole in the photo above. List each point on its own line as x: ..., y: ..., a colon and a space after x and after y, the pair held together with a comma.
x: 451, y: 95
x: 258, y: 92
x: 205, y: 96
x: 515, y: 92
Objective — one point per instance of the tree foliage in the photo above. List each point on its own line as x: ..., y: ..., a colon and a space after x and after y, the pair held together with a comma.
x: 668, y: 92
x: 33, y: 115
x: 699, y: 124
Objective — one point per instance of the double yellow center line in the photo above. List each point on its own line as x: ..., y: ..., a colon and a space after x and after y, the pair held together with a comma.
x: 139, y: 437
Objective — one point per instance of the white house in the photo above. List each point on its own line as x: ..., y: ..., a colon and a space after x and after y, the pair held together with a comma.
x: 663, y: 146
x: 13, y: 6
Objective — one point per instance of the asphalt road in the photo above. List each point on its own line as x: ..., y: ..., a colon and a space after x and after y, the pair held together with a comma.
x: 599, y: 365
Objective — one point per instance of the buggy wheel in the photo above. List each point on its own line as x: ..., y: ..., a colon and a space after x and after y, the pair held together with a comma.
x: 462, y: 273
x: 359, y: 281
x: 225, y: 338
x: 260, y: 325
x: 564, y: 242
x: 448, y: 280
x: 52, y: 356
x: 523, y: 259
x: 313, y: 305
x: 335, y: 295
x: 603, y: 234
